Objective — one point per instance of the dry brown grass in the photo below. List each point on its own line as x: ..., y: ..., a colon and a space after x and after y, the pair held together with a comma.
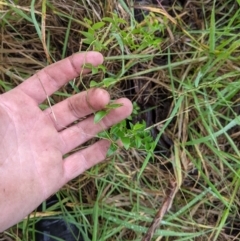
x: 124, y: 200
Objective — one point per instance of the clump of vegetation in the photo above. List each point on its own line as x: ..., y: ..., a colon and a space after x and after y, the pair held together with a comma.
x: 179, y: 63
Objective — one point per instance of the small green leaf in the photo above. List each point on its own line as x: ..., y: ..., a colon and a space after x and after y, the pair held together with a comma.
x: 138, y: 126
x: 126, y: 142
x: 148, y: 146
x: 88, y: 21
x: 94, y: 70
x: 138, y: 141
x: 88, y: 66
x: 98, y: 25
x: 94, y: 84
x: 102, y: 67
x: 103, y: 135
x: 90, y: 37
x: 113, y: 106
x: 109, y: 81
x: 87, y: 41
x: 120, y: 134
x: 107, y: 19
x: 100, y: 115
x: 112, y: 149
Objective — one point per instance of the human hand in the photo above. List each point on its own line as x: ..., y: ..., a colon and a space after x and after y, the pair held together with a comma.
x: 33, y: 142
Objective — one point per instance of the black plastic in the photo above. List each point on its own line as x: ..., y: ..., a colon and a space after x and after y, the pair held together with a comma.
x: 56, y: 228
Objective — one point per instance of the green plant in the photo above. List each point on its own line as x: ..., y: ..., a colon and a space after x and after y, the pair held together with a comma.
x: 130, y: 135
x: 195, y: 61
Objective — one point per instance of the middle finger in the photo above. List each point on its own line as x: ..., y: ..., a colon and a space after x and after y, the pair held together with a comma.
x: 77, y: 106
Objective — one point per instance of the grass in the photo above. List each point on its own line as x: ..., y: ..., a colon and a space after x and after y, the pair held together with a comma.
x: 185, y: 70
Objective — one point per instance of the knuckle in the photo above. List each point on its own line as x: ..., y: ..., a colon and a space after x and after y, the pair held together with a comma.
x: 73, y: 107
x: 51, y: 79
x: 73, y: 66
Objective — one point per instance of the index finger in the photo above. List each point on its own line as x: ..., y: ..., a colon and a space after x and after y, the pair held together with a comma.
x: 50, y: 79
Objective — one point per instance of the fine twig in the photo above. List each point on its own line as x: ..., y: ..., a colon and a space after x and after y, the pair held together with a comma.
x: 167, y: 203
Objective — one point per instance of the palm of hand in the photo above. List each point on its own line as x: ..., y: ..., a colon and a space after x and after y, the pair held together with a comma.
x: 30, y: 154
x: 33, y: 142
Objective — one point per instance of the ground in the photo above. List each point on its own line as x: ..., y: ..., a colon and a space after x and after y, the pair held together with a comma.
x: 178, y: 61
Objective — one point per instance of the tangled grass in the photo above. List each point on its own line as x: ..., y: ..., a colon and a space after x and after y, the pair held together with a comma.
x: 180, y: 64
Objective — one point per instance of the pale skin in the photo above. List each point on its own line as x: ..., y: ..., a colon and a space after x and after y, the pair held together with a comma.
x: 33, y: 142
